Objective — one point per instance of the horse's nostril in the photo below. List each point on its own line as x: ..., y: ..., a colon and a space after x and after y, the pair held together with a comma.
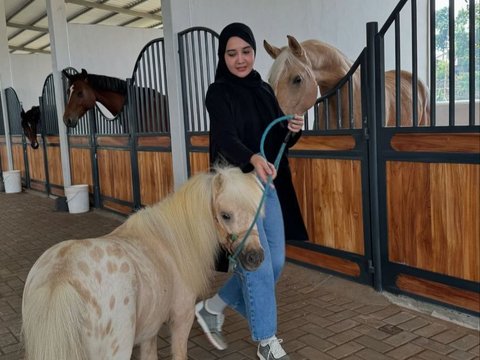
x: 35, y: 145
x: 254, y: 258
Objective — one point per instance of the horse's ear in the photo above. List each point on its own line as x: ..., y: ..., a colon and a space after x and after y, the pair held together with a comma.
x: 271, y: 50
x: 295, y: 46
x: 22, y: 113
x: 84, y: 73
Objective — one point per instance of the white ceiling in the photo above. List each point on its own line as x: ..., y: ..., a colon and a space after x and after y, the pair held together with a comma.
x: 27, y: 23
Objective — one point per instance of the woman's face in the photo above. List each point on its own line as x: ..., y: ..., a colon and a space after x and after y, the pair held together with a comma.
x: 239, y: 57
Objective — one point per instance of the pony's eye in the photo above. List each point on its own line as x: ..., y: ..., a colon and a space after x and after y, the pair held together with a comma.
x: 297, y: 80
x: 225, y: 216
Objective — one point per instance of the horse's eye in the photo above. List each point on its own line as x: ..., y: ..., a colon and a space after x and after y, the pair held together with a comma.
x: 297, y: 80
x: 225, y: 216
x: 80, y: 94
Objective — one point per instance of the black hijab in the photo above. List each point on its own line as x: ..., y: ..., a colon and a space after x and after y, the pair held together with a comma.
x: 245, y: 33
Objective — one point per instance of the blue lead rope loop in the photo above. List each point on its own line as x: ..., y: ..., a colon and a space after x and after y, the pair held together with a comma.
x: 232, y: 259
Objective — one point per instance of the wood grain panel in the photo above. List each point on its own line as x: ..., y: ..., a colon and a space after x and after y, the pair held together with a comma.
x: 338, y: 142
x: 81, y: 167
x: 120, y: 208
x: 156, y: 176
x: 52, y: 140
x: 200, y: 140
x: 433, y: 211
x: 115, y: 174
x: 55, y: 174
x: 160, y: 141
x: 448, y: 294
x: 18, y: 160
x: 199, y: 161
x: 112, y: 140
x: 79, y: 140
x: 452, y: 143
x: 330, y: 196
x: 16, y: 139
x: 3, y: 156
x: 323, y: 260
x: 36, y: 163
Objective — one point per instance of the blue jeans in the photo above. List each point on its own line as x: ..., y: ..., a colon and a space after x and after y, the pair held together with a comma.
x: 252, y: 293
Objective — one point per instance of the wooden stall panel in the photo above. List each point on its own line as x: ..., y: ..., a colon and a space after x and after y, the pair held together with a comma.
x: 3, y: 154
x: 18, y: 160
x: 115, y: 174
x: 156, y: 176
x: 81, y: 167
x: 330, y: 196
x: 199, y: 161
x: 433, y: 213
x: 54, y: 166
x: 36, y: 167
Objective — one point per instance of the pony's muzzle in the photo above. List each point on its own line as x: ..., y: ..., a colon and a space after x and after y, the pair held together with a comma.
x: 251, y: 259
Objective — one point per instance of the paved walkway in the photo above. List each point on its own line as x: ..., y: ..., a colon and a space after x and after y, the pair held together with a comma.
x: 320, y: 316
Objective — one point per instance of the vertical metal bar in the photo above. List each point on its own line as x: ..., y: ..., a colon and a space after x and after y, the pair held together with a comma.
x: 433, y: 65
x: 471, y: 63
x: 398, y: 79
x: 327, y: 114
x: 189, y: 81
x: 373, y: 126
x: 157, y: 70
x: 165, y: 112
x: 451, y: 63
x: 339, y: 108
x: 350, y: 102
x: 414, y: 64
x: 196, y: 82
x: 201, y: 95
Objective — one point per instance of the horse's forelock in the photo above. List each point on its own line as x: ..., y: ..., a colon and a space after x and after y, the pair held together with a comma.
x: 285, y: 60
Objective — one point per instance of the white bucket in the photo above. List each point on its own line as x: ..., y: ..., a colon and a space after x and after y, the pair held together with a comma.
x: 77, y: 198
x: 12, y: 181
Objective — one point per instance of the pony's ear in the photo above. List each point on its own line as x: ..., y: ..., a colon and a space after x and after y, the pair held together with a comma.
x: 218, y: 180
x: 295, y: 46
x: 271, y: 50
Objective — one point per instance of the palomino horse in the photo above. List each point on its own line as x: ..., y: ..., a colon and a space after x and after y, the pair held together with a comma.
x: 97, y: 298
x: 30, y: 121
x: 301, y: 70
x: 84, y: 90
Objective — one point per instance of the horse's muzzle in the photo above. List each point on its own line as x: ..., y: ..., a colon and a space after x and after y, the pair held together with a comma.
x: 251, y: 259
x: 34, y: 144
x: 70, y: 122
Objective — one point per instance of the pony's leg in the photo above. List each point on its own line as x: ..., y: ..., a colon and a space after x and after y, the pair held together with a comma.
x: 148, y: 349
x: 183, y: 314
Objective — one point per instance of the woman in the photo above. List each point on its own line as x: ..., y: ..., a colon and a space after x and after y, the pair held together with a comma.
x: 241, y: 106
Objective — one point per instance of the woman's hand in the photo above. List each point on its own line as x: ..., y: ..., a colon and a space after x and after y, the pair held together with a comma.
x: 263, y: 168
x: 295, y: 124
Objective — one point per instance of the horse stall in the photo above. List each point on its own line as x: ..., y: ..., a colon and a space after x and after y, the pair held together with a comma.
x: 388, y: 191
x: 125, y: 157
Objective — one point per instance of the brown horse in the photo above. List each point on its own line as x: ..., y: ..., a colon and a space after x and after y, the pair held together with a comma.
x: 301, y: 70
x: 84, y: 90
x: 30, y: 121
x: 97, y: 298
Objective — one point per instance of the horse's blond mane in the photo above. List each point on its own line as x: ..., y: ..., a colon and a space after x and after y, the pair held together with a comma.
x: 183, y: 224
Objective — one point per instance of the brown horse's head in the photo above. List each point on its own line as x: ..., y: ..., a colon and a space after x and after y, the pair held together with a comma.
x: 292, y: 77
x: 236, y: 197
x: 30, y: 120
x: 80, y: 98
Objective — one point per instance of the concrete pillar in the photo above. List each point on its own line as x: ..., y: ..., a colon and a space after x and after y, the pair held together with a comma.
x: 6, y: 80
x: 57, y: 25
x: 175, y: 16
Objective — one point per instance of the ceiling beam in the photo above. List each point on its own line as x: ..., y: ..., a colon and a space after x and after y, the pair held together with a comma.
x: 31, y: 50
x: 27, y: 27
x: 118, y: 10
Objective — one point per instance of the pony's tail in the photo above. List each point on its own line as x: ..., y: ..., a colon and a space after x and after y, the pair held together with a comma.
x: 52, y: 320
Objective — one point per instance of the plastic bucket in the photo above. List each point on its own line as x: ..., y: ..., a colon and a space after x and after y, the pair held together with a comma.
x: 12, y: 181
x: 77, y: 198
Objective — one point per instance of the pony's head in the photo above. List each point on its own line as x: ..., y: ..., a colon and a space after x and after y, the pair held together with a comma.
x: 236, y: 197
x: 80, y: 97
x: 292, y: 77
x: 30, y: 120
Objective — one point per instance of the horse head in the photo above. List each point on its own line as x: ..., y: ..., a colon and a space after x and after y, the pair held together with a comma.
x: 30, y: 120
x: 235, y: 202
x: 291, y: 77
x: 80, y: 97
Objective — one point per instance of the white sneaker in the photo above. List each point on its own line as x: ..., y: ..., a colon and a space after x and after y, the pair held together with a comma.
x: 211, y: 325
x: 272, y: 351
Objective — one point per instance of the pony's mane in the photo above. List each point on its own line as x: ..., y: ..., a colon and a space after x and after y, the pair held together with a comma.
x: 103, y: 82
x: 183, y: 224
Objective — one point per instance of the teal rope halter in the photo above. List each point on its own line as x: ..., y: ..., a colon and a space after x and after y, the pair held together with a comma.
x: 233, y: 257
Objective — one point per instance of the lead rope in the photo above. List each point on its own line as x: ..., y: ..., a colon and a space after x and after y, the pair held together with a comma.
x: 232, y: 259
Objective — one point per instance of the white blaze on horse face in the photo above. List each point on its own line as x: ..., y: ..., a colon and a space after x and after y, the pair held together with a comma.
x: 70, y: 93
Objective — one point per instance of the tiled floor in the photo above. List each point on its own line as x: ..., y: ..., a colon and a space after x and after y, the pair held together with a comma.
x: 320, y: 316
